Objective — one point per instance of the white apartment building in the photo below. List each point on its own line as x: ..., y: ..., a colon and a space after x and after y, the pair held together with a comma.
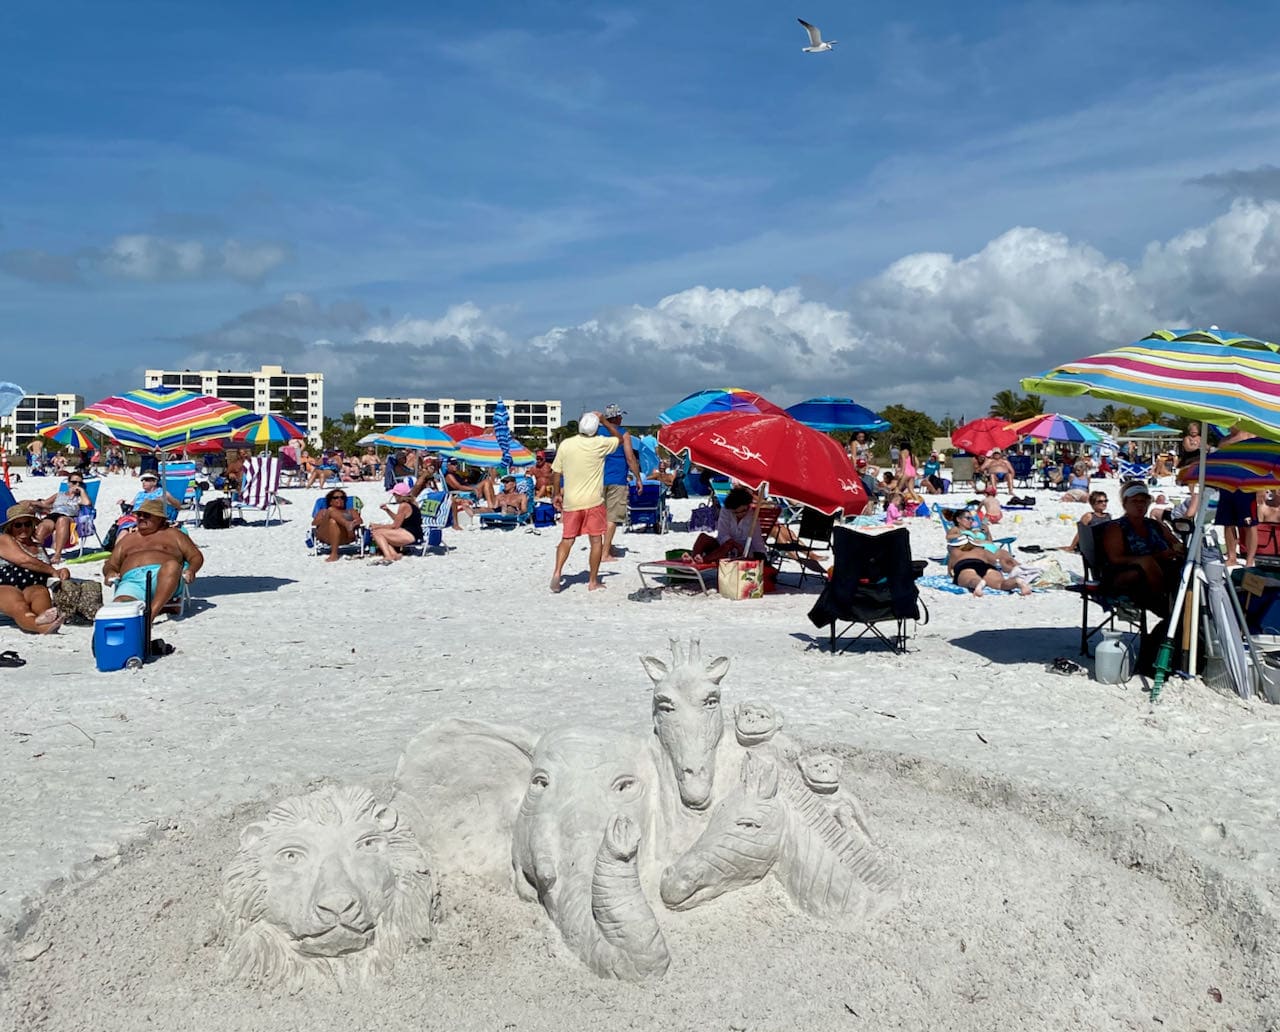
x: 527, y: 417
x: 264, y: 391
x: 19, y: 427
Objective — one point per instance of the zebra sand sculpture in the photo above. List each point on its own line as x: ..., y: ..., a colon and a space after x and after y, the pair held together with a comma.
x: 593, y: 825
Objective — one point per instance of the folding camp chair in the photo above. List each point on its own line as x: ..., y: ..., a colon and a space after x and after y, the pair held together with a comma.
x: 719, y: 488
x: 813, y: 534
x: 260, y: 488
x: 360, y: 545
x: 873, y: 582
x: 1090, y: 590
x: 677, y: 569
x: 1140, y: 471
x: 512, y: 519
x: 84, y: 527
x: 1022, y: 470
x: 961, y: 470
x: 437, y: 514
x: 647, y: 507
x: 180, y: 481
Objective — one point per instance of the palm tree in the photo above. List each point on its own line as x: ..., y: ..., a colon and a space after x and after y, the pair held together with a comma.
x: 1006, y: 405
x: 1031, y: 405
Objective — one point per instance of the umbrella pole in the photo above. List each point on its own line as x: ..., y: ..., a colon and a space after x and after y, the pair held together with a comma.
x: 1164, y: 658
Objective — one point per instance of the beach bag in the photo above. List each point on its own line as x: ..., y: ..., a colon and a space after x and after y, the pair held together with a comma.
x: 84, y: 523
x: 704, y: 517
x: 216, y: 515
x: 544, y: 515
x: 741, y: 578
x: 78, y: 599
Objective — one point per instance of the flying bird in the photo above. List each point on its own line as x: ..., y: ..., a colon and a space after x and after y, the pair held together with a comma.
x: 816, y: 43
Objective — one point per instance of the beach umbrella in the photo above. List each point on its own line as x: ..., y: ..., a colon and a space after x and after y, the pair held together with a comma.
x: 207, y: 446
x: 829, y: 414
x: 66, y: 434
x: 719, y: 399
x: 269, y: 429
x: 1154, y: 430
x: 1249, y: 465
x: 1199, y: 374
x: 646, y: 449
x: 502, y: 431
x: 486, y: 451
x: 1050, y: 426
x: 794, y: 461
x: 461, y: 431
x: 983, y: 435
x: 10, y: 395
x: 162, y: 418
x: 422, y: 438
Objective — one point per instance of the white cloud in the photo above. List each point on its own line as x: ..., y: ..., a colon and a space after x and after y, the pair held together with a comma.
x: 933, y: 331
x: 146, y: 258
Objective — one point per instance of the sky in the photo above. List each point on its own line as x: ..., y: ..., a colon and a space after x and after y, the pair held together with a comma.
x: 630, y: 202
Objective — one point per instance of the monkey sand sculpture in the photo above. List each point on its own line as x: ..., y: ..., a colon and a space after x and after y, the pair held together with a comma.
x: 595, y: 826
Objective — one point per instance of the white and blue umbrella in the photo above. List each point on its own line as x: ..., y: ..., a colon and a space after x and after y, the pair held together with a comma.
x: 10, y: 395
x: 502, y: 431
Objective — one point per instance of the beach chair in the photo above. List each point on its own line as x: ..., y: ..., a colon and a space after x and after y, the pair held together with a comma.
x: 180, y: 481
x: 979, y: 521
x: 679, y: 569
x: 437, y: 514
x: 647, y: 507
x: 512, y: 519
x: 718, y: 487
x: 1023, y: 467
x: 873, y: 582
x: 1140, y: 471
x: 359, y: 546
x: 84, y: 528
x: 291, y: 472
x: 813, y: 534
x: 260, y: 488
x: 962, y: 470
x: 1114, y: 607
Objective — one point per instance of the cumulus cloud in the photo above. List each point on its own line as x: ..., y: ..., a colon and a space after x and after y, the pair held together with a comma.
x: 1259, y: 184
x: 934, y: 331
x: 149, y: 258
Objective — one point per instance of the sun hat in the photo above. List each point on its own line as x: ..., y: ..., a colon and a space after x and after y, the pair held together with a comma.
x: 614, y: 411
x: 401, y: 489
x: 588, y: 424
x: 539, y: 454
x: 1133, y: 490
x: 22, y: 510
x: 153, y: 507
x: 148, y: 475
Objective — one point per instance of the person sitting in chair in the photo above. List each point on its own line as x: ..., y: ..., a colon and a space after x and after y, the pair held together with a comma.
x: 737, y: 531
x: 405, y: 527
x: 997, y: 467
x: 157, y: 551
x: 335, y: 524
x: 24, y: 571
x: 62, y: 509
x: 510, y: 500
x: 974, y: 563
x: 1141, y: 557
x: 1097, y: 514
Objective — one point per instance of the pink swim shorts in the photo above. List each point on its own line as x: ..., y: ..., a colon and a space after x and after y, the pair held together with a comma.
x: 591, y: 522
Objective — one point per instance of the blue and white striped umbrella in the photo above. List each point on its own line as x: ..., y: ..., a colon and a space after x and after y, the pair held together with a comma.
x: 502, y: 431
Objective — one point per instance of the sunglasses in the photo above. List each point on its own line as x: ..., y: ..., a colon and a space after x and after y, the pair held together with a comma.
x: 19, y: 524
x: 337, y: 498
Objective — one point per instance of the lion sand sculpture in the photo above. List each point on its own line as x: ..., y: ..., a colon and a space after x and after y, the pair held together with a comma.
x: 328, y: 888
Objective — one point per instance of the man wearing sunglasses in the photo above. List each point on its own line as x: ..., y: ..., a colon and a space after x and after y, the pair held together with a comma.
x: 156, y: 551
x: 60, y: 510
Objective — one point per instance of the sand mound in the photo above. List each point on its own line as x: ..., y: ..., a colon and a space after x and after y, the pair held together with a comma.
x: 1019, y: 912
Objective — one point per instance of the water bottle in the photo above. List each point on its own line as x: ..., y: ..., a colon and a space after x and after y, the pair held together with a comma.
x: 1112, y: 662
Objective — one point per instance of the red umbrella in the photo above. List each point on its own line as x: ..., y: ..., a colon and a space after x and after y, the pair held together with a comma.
x: 983, y: 435
x: 796, y: 462
x: 461, y: 431
x: 215, y: 444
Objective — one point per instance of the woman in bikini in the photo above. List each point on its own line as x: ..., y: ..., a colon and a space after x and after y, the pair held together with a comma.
x: 24, y: 573
x: 973, y: 561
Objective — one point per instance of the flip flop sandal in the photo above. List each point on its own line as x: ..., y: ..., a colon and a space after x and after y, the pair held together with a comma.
x: 1065, y: 666
x: 160, y: 647
x: 9, y: 658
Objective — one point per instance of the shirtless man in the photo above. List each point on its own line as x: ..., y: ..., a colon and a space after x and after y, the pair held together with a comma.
x: 510, y: 499
x: 157, y: 549
x: 997, y: 463
x: 545, y: 479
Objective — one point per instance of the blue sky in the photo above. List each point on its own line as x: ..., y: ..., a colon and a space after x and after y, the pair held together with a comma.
x: 631, y: 203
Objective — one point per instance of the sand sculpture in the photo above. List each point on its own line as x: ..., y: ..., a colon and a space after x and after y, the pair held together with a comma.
x: 329, y: 887
x: 592, y: 826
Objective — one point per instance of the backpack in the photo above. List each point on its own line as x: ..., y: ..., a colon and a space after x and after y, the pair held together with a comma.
x: 216, y: 515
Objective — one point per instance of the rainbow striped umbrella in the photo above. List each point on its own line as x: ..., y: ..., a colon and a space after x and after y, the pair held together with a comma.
x: 269, y: 429
x: 1251, y: 465
x: 486, y: 451
x: 156, y: 418
x: 1049, y: 426
x: 719, y: 399
x: 424, y: 438
x: 66, y: 434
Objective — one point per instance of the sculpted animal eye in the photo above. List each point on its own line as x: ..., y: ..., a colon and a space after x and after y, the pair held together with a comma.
x: 712, y: 701
x: 289, y: 856
x: 372, y: 843
x: 747, y: 822
x: 624, y: 783
x: 539, y: 780
x: 666, y: 706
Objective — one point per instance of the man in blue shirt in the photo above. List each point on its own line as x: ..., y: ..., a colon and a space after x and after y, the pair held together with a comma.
x: 616, y: 466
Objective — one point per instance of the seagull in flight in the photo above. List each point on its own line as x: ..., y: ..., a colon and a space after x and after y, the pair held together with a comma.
x: 816, y: 43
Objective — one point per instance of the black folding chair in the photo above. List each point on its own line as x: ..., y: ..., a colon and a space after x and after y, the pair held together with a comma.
x: 1114, y: 607
x: 812, y: 535
x: 874, y: 582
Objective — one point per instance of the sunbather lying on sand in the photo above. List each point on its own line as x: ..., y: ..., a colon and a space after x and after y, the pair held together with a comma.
x: 975, y: 562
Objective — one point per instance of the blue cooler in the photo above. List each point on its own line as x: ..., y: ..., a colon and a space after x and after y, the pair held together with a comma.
x: 120, y: 635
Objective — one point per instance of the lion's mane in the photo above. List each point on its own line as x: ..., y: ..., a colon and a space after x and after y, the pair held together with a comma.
x: 257, y: 951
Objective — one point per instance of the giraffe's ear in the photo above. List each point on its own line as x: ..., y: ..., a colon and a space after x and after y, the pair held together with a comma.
x: 717, y: 668
x: 654, y: 667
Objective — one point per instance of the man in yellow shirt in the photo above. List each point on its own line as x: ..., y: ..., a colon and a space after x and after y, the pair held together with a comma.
x: 580, y: 461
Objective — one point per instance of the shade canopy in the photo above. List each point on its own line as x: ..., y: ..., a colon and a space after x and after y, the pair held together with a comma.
x: 461, y: 431
x: 719, y: 399
x: 983, y: 435
x: 829, y: 414
x: 1050, y: 426
x: 426, y: 438
x: 486, y: 451
x: 269, y: 429
x: 1154, y: 430
x: 1199, y: 374
x: 794, y: 461
x: 155, y: 418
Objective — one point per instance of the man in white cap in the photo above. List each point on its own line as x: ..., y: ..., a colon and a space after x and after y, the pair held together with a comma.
x: 580, y: 498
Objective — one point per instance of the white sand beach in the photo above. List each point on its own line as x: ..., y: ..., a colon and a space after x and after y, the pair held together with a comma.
x: 1073, y: 856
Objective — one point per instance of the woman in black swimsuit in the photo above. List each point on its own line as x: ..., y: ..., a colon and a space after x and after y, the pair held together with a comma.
x: 405, y: 527
x: 1143, y: 557
x: 24, y: 572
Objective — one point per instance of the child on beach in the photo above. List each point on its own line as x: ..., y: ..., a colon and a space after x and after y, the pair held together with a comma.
x: 894, y: 512
x: 991, y: 511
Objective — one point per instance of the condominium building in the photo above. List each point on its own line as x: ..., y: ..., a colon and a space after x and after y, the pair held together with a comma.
x: 296, y: 396
x: 533, y: 418
x: 19, y: 427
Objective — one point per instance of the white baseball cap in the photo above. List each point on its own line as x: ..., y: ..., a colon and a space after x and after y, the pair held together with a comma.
x: 588, y: 424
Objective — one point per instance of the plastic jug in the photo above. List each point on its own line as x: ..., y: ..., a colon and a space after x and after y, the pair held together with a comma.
x: 1112, y: 662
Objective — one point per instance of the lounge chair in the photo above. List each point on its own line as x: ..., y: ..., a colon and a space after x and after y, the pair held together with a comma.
x: 260, y: 488
x: 180, y: 481
x: 677, y: 569
x: 1140, y: 471
x: 1022, y: 470
x: 647, y: 507
x: 512, y: 519
x: 437, y: 514
x: 873, y: 582
x: 362, y: 543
